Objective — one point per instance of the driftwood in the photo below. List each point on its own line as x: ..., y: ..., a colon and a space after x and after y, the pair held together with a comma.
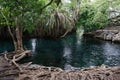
x: 11, y: 70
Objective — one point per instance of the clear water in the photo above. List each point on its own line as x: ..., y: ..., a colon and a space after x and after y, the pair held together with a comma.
x: 70, y: 52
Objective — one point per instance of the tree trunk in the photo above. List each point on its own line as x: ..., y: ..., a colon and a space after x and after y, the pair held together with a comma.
x: 18, y: 36
x: 13, y: 38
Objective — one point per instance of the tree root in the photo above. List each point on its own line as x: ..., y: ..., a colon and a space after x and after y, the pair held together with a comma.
x: 37, y: 72
x: 21, y: 55
x: 6, y: 58
x: 13, y: 61
x: 17, y: 57
x: 66, y: 32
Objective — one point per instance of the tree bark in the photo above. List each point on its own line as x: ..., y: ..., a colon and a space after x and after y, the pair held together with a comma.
x: 18, y: 36
x: 13, y: 38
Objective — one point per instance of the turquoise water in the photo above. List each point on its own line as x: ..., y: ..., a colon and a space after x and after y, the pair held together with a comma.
x: 69, y: 52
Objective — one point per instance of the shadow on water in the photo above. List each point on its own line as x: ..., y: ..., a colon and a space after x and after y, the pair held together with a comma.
x: 71, y: 52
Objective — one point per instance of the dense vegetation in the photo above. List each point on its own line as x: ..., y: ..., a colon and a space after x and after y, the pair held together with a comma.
x: 95, y: 14
x: 54, y: 18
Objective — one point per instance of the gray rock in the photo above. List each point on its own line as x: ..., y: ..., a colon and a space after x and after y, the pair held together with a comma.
x: 116, y: 38
x: 109, y: 36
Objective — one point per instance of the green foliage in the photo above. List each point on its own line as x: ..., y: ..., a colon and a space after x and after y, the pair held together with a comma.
x: 95, y: 14
x: 56, y: 18
x: 29, y: 14
x: 25, y: 10
x: 92, y: 16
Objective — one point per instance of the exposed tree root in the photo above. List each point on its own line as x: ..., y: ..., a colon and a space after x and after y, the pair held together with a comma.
x: 11, y: 70
x: 13, y: 61
x: 98, y: 73
x: 6, y: 58
x: 21, y: 55
x: 17, y: 57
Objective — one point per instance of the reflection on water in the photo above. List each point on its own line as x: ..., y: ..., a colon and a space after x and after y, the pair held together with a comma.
x: 67, y: 53
x: 70, y: 52
x: 33, y: 43
x: 111, y: 49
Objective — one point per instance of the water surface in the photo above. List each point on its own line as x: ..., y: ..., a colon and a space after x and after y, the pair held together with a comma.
x: 69, y: 52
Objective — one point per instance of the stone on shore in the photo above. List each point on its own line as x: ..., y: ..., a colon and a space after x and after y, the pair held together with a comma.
x: 109, y: 34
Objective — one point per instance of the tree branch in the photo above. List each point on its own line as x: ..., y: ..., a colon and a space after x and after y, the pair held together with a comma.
x: 46, y: 5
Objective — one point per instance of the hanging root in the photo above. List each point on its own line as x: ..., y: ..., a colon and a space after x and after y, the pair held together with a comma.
x: 65, y: 33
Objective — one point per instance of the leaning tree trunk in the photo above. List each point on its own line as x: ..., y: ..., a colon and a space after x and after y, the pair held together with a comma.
x: 17, y: 36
